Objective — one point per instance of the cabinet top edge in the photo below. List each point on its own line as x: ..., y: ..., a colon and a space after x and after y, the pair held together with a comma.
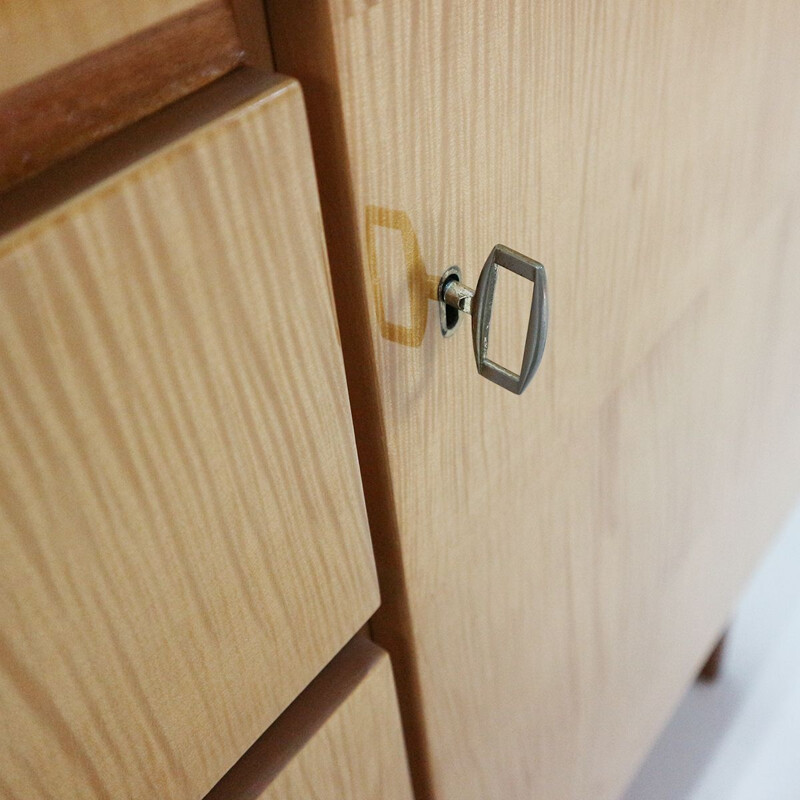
x: 39, y: 197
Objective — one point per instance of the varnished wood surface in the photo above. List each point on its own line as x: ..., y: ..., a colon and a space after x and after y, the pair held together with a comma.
x: 181, y: 520
x: 58, y: 114
x: 340, y: 740
x: 37, y: 36
x: 556, y: 566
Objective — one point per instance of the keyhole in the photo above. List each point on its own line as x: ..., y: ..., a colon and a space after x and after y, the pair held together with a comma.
x: 449, y: 317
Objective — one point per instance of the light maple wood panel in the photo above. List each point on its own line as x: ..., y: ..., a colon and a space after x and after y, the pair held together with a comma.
x: 39, y: 35
x: 340, y: 740
x: 182, y: 524
x: 556, y: 566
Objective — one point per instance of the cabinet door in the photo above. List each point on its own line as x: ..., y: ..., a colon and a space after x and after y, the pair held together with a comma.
x: 556, y: 565
x: 183, y: 534
x: 340, y: 740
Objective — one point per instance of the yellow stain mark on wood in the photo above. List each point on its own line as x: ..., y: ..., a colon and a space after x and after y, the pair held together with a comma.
x: 421, y: 286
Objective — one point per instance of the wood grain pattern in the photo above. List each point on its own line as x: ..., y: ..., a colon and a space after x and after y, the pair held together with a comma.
x: 56, y: 115
x: 340, y: 740
x: 181, y: 519
x: 555, y: 567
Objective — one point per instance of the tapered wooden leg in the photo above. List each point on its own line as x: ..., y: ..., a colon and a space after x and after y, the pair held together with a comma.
x: 711, y: 669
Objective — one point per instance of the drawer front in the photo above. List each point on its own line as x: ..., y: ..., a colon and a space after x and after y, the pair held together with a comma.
x: 340, y: 740
x: 75, y: 71
x: 39, y: 36
x: 181, y: 518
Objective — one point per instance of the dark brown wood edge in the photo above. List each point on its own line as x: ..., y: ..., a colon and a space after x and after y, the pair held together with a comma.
x: 251, y: 23
x: 65, y: 110
x: 301, y: 35
x: 287, y: 736
x: 64, y: 181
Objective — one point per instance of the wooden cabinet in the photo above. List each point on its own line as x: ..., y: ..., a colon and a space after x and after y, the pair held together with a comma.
x: 556, y: 566
x: 340, y: 740
x: 182, y: 525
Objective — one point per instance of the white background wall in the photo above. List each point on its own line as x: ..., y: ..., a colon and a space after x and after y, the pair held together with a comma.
x: 739, y: 738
